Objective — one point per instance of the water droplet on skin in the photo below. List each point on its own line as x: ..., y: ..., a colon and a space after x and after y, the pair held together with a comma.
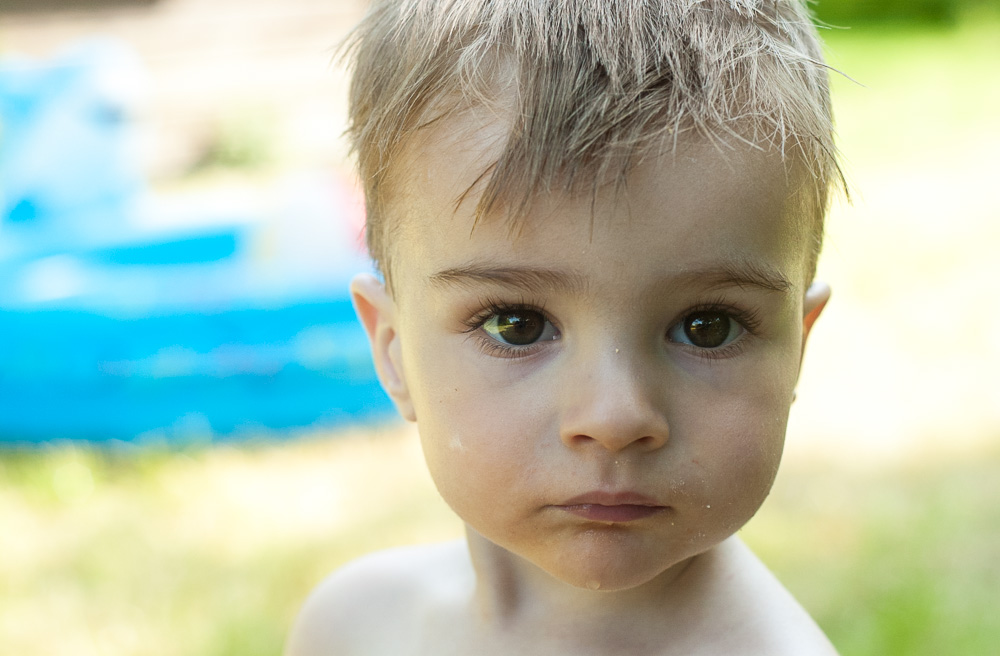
x: 594, y: 585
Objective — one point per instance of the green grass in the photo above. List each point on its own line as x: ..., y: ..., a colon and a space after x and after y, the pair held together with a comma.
x: 913, y: 92
x: 891, y: 561
x: 210, y: 552
x: 203, y: 552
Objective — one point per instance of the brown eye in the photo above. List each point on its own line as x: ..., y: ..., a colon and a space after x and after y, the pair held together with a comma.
x: 519, y: 327
x: 708, y: 329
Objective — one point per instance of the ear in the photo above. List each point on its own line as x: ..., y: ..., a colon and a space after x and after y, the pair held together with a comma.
x: 377, y: 311
x: 816, y: 299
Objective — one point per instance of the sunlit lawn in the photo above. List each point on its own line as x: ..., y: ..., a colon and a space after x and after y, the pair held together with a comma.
x: 209, y: 551
x: 890, y: 561
x: 203, y: 552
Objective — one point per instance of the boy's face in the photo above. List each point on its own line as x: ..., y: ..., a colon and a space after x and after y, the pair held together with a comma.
x: 603, y: 398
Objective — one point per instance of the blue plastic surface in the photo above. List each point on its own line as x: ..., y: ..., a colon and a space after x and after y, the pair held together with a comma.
x: 109, y: 332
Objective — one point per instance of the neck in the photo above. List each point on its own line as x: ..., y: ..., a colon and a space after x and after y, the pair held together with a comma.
x: 513, y: 593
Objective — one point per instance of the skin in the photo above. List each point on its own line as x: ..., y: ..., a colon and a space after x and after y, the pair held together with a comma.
x: 609, y: 404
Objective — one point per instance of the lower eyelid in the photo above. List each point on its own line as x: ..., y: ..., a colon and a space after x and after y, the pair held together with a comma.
x: 494, y: 348
x: 731, y: 350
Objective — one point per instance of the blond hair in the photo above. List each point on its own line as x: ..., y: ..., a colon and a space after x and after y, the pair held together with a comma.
x: 596, y: 84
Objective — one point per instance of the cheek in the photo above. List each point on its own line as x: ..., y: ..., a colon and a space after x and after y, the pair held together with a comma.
x: 476, y: 447
x: 735, y: 448
x: 748, y: 458
x: 475, y: 463
x: 730, y: 480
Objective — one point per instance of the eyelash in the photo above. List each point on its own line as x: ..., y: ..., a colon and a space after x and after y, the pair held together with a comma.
x: 490, y: 308
x: 749, y: 319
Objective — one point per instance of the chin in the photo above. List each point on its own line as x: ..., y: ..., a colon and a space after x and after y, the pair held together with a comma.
x: 608, y: 562
x: 615, y: 577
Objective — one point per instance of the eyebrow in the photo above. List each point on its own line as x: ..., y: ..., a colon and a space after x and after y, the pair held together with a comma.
x: 742, y: 274
x: 528, y: 278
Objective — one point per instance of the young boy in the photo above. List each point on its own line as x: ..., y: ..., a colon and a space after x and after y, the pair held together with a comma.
x: 598, y: 224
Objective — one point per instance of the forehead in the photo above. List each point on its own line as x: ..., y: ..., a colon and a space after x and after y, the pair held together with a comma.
x: 715, y: 201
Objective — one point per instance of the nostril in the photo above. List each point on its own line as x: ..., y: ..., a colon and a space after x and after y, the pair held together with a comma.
x: 650, y: 441
x: 617, y: 441
x: 581, y: 439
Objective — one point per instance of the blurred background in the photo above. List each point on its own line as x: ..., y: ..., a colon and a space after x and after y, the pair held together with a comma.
x: 191, y: 436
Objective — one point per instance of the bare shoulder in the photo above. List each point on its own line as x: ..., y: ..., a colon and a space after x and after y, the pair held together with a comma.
x: 760, y: 615
x: 377, y: 603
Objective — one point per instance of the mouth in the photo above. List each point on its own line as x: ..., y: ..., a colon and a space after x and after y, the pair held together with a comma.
x: 606, y: 507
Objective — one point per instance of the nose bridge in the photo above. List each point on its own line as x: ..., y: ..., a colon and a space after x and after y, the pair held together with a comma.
x: 613, y: 399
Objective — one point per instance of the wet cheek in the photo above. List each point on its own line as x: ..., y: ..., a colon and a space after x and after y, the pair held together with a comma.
x: 752, y: 455
x: 734, y: 452
x: 476, y: 453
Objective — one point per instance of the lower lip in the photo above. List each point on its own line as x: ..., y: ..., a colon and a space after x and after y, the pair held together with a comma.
x: 612, y: 514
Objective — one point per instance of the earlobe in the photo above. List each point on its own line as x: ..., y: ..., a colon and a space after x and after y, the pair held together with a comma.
x: 376, y: 310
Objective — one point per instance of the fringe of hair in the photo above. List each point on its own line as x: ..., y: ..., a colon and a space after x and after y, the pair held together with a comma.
x: 594, y: 84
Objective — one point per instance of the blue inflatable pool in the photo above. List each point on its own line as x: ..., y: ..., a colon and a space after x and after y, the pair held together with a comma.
x: 123, y: 319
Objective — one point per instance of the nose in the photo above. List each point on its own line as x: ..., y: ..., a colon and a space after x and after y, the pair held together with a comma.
x: 614, y: 402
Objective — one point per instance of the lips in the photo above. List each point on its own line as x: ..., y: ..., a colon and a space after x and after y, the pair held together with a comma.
x: 612, y: 507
